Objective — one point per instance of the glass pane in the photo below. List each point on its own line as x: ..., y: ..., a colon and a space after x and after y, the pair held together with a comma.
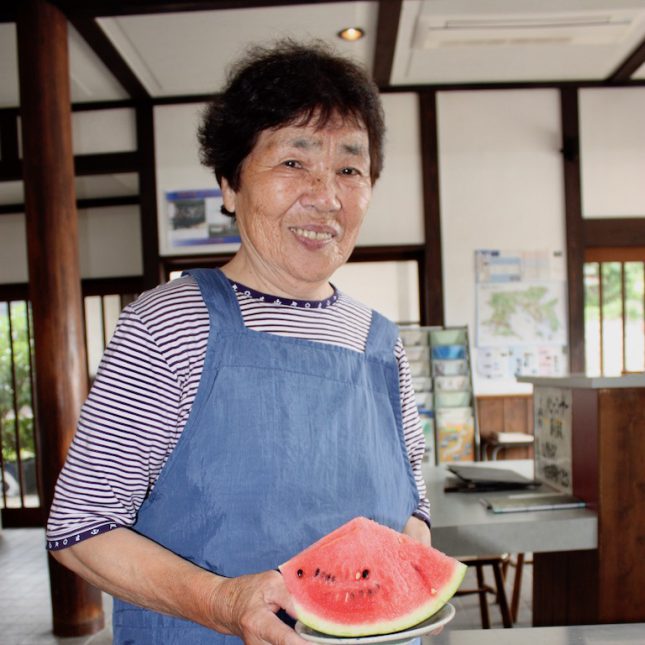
x: 9, y: 485
x: 612, y: 318
x: 634, y: 327
x: 111, y: 312
x: 93, y: 333
x: 592, y: 318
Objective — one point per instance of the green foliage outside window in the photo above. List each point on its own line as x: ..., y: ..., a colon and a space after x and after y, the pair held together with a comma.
x: 611, y: 290
x: 15, y: 383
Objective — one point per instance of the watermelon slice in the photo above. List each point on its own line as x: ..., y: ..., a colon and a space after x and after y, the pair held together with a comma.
x: 364, y: 579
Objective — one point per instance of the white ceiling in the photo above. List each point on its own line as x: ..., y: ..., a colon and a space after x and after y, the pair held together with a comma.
x: 473, y: 41
x: 196, y: 48
x: 438, y: 42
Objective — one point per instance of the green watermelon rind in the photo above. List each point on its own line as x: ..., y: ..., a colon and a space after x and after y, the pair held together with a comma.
x: 418, y: 615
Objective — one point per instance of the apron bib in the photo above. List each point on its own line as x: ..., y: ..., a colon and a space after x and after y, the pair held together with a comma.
x: 287, y: 440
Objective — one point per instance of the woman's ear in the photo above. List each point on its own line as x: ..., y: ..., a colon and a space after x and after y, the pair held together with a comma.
x: 228, y: 196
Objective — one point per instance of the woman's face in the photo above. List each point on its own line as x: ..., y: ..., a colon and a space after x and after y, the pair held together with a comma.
x: 303, y: 194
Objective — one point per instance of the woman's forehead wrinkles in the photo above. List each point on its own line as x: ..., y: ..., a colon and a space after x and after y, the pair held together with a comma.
x: 316, y: 143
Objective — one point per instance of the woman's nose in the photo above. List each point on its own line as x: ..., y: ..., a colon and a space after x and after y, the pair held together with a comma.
x: 322, y: 192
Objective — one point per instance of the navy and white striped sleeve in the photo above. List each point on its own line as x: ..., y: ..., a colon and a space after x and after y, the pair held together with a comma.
x: 127, y: 428
x: 413, y: 431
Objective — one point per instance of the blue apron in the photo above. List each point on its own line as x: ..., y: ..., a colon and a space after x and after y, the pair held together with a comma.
x: 287, y: 440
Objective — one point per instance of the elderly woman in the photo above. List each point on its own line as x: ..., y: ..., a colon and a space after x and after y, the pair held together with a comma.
x: 240, y: 414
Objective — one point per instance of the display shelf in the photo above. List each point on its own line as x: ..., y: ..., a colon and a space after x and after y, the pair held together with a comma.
x: 440, y: 366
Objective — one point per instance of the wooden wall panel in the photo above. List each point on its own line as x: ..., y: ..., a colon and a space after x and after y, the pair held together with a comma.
x: 621, y: 505
x: 564, y: 588
x: 506, y: 413
x: 604, y: 585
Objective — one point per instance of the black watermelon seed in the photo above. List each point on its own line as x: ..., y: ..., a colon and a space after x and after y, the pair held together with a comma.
x: 300, y: 573
x: 365, y: 573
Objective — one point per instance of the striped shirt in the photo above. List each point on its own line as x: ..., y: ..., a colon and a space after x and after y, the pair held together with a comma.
x: 147, y: 382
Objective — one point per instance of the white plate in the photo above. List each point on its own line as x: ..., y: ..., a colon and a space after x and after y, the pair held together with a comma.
x: 443, y: 616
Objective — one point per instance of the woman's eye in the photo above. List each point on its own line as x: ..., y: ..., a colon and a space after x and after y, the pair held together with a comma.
x: 350, y: 171
x: 291, y: 163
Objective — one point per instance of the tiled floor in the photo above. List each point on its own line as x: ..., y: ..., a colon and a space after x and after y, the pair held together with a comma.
x: 25, y: 606
x: 25, y: 609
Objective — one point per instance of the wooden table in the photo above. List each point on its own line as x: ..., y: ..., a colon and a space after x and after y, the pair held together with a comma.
x: 461, y: 525
x: 603, y: 419
x: 560, y: 540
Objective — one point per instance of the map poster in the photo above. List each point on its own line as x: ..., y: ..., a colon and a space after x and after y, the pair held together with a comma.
x: 520, y: 313
x: 521, y: 309
x: 553, y: 452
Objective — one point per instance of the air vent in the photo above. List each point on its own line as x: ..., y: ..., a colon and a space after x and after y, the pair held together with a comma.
x: 535, y: 29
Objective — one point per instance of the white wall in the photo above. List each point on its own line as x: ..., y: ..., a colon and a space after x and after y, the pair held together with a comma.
x: 109, y: 244
x: 396, y: 212
x: 13, y: 249
x: 500, y: 187
x: 392, y: 288
x: 612, y: 151
x: 104, y: 131
x: 109, y: 238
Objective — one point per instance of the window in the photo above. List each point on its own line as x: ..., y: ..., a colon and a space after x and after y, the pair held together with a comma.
x: 614, y: 311
x: 18, y: 422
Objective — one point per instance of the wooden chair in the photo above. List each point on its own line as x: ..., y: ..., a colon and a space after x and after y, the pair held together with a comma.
x: 498, y: 441
x: 518, y: 564
x: 497, y: 563
x: 495, y: 443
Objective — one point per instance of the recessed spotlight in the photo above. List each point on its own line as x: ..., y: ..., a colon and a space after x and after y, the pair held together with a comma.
x: 351, y: 34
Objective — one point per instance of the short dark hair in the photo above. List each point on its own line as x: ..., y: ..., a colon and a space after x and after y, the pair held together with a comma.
x: 288, y: 83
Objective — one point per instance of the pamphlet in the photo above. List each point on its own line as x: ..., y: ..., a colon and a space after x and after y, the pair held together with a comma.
x: 531, y: 502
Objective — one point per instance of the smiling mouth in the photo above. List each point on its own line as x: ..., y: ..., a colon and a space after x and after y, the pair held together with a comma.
x: 311, y: 235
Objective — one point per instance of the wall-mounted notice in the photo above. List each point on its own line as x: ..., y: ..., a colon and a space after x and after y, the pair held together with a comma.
x: 195, y: 219
x: 520, y: 314
x: 553, y: 460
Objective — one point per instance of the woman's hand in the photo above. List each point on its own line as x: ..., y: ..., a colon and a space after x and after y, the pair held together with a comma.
x: 246, y: 606
x: 418, y: 530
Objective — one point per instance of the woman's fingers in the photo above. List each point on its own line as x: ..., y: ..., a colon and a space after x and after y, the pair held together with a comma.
x: 248, y: 604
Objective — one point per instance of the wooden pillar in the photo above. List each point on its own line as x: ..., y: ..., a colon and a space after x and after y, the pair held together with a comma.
x: 431, y: 285
x: 54, y: 279
x: 574, y: 227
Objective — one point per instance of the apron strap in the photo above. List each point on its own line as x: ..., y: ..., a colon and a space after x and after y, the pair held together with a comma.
x: 219, y: 297
x: 382, y: 337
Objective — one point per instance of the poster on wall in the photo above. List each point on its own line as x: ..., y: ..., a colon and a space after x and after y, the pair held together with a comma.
x: 521, y: 326
x: 553, y: 460
x: 195, y: 219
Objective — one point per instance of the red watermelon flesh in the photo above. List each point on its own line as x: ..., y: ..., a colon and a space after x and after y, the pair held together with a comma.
x: 364, y: 579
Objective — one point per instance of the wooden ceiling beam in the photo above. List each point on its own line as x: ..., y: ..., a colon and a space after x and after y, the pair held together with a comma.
x: 614, y: 232
x: 389, y: 15
x: 110, y: 56
x: 625, y: 70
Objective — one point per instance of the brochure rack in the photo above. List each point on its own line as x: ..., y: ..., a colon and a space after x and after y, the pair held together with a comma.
x: 440, y: 365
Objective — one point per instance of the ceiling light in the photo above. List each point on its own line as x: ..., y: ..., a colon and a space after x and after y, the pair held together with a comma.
x: 351, y: 33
